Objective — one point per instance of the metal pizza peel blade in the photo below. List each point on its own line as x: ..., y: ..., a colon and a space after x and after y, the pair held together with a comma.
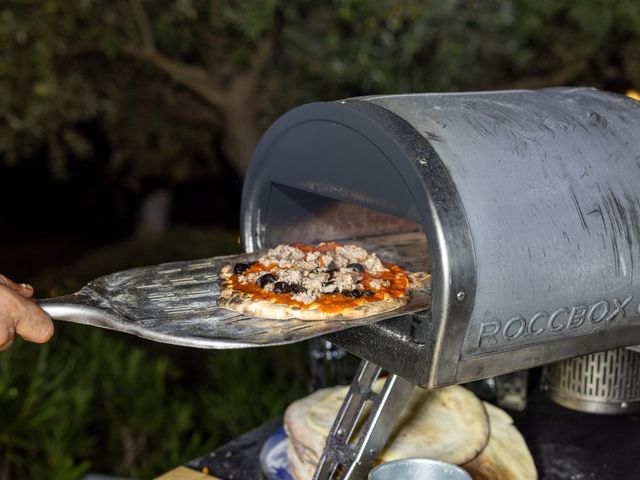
x: 176, y: 303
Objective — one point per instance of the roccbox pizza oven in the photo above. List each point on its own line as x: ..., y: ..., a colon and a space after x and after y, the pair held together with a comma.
x: 529, y: 201
x: 528, y: 204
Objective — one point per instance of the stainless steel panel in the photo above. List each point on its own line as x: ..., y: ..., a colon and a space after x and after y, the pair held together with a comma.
x: 548, y: 181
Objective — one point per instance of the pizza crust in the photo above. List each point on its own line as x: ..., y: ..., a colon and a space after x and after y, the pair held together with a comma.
x: 419, y: 280
x: 506, y: 456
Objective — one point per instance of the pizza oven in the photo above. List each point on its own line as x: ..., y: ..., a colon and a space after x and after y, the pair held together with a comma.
x: 529, y: 206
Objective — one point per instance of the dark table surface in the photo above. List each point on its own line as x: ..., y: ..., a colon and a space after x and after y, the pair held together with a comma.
x: 565, y: 445
x: 569, y: 445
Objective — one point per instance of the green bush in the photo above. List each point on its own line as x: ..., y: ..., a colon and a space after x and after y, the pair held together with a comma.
x: 94, y: 400
x: 45, y: 413
x: 181, y: 243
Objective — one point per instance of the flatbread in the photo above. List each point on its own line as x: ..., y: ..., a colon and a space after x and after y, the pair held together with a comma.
x: 328, y: 281
x: 448, y: 424
x: 506, y: 456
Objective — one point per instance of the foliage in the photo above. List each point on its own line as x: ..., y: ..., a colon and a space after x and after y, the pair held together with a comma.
x: 43, y: 421
x: 180, y: 243
x: 103, y: 401
x: 99, y: 401
x: 175, y: 83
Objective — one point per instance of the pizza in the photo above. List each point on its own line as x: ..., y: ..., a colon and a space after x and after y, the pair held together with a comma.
x: 328, y: 281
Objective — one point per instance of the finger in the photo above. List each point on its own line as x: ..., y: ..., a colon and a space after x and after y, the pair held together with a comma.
x: 33, y: 324
x: 7, y: 334
x: 23, y: 289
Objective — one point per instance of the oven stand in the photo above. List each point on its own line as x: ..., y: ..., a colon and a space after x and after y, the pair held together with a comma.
x: 349, y: 453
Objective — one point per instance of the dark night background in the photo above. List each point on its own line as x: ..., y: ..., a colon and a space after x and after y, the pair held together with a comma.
x: 125, y: 130
x: 51, y: 223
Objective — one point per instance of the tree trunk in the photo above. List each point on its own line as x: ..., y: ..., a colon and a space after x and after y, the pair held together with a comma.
x: 154, y: 215
x: 240, y: 135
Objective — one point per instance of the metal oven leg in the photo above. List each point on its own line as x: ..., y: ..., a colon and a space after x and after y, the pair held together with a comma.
x: 350, y: 453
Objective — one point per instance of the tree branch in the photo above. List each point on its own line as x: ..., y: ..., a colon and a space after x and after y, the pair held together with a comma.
x: 142, y: 19
x: 192, y: 77
x: 183, y: 105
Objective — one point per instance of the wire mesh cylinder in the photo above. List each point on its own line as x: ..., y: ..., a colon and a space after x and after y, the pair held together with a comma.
x: 603, y: 382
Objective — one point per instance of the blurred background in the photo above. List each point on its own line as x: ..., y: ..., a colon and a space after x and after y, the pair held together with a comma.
x: 126, y: 127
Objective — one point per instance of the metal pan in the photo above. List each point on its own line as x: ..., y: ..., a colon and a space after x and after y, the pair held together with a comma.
x: 176, y: 302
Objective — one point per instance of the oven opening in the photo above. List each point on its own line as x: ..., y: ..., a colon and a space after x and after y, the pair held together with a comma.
x: 295, y: 215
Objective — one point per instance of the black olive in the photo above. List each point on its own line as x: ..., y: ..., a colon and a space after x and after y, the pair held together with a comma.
x: 266, y: 278
x: 332, y: 268
x: 281, y: 287
x: 356, y: 266
x: 352, y: 293
x: 368, y: 293
x: 297, y: 288
x: 240, y: 268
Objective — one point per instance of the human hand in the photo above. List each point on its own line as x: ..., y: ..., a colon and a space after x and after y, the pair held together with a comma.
x: 18, y: 314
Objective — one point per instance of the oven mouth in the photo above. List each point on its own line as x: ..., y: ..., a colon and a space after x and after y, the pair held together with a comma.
x: 352, y: 170
x: 296, y: 215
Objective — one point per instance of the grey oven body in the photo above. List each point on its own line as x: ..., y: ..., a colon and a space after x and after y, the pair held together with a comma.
x: 529, y: 202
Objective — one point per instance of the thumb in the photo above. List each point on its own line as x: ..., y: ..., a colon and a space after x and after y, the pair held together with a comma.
x: 32, y: 323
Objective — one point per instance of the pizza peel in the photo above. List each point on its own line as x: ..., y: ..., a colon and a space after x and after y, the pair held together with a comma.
x: 176, y: 303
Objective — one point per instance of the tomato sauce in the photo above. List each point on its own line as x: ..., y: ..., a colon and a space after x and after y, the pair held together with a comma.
x: 329, y: 302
